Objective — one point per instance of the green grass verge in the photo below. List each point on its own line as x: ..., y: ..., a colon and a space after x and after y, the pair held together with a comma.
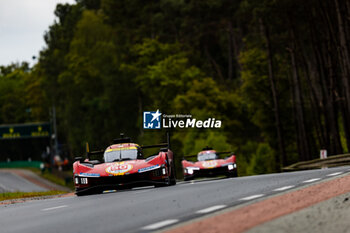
x: 17, y: 195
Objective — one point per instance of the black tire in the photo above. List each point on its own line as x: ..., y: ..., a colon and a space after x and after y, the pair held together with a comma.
x: 232, y: 174
x: 166, y: 183
x: 235, y: 173
x: 171, y: 180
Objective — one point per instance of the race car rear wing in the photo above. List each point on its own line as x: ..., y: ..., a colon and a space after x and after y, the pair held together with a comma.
x: 97, y: 155
x: 94, y: 157
x: 224, y: 152
x: 156, y: 146
x: 165, y: 145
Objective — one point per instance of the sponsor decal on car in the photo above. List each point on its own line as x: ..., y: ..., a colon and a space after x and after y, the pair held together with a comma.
x: 119, y: 169
x: 209, y: 164
x: 89, y: 174
x: 145, y: 169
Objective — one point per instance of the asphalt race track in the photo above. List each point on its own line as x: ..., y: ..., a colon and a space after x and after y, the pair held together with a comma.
x: 22, y: 180
x: 11, y: 182
x: 150, y: 209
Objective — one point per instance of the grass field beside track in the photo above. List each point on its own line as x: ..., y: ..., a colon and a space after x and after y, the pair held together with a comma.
x: 18, y: 195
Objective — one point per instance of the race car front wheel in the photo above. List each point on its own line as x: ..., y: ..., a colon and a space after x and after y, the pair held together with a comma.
x: 233, y: 173
x: 171, y: 179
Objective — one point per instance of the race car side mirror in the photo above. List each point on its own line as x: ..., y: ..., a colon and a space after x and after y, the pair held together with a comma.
x: 80, y: 159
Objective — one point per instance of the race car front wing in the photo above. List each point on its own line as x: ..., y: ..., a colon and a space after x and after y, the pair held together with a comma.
x: 85, y: 182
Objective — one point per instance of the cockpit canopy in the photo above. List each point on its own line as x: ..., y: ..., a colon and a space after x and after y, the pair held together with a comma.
x: 122, y: 152
x: 207, y: 155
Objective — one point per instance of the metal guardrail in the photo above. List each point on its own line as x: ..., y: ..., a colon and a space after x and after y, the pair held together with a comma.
x: 331, y: 161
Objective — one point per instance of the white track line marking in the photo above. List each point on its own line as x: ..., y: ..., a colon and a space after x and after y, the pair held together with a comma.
x: 210, y: 209
x: 251, y: 197
x: 160, y: 224
x: 284, y: 188
x: 311, y: 180
x: 53, y: 208
x: 335, y: 174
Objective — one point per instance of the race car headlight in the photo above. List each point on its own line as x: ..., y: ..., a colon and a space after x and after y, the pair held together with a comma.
x: 163, y: 170
x: 82, y: 180
x: 230, y: 167
x: 190, y: 170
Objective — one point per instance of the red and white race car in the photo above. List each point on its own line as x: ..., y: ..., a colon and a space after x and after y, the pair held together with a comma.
x: 209, y: 164
x: 123, y: 166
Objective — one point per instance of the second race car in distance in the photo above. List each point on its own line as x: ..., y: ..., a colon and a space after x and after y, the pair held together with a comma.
x: 123, y: 166
x: 209, y: 164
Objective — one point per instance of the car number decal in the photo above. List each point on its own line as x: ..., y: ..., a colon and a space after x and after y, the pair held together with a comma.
x: 209, y: 164
x: 118, y: 169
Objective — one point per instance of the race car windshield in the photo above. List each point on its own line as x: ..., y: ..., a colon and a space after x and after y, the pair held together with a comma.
x: 120, y: 154
x: 206, y: 156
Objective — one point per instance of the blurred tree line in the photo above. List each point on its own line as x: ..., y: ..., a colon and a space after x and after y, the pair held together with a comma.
x: 275, y: 72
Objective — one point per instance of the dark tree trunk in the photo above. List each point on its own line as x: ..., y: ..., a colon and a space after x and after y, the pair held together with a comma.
x: 214, y: 64
x: 346, y: 125
x: 343, y: 52
x: 317, y: 113
x: 230, y: 52
x: 298, y: 103
x: 320, y: 91
x: 336, y: 147
x: 281, y: 159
